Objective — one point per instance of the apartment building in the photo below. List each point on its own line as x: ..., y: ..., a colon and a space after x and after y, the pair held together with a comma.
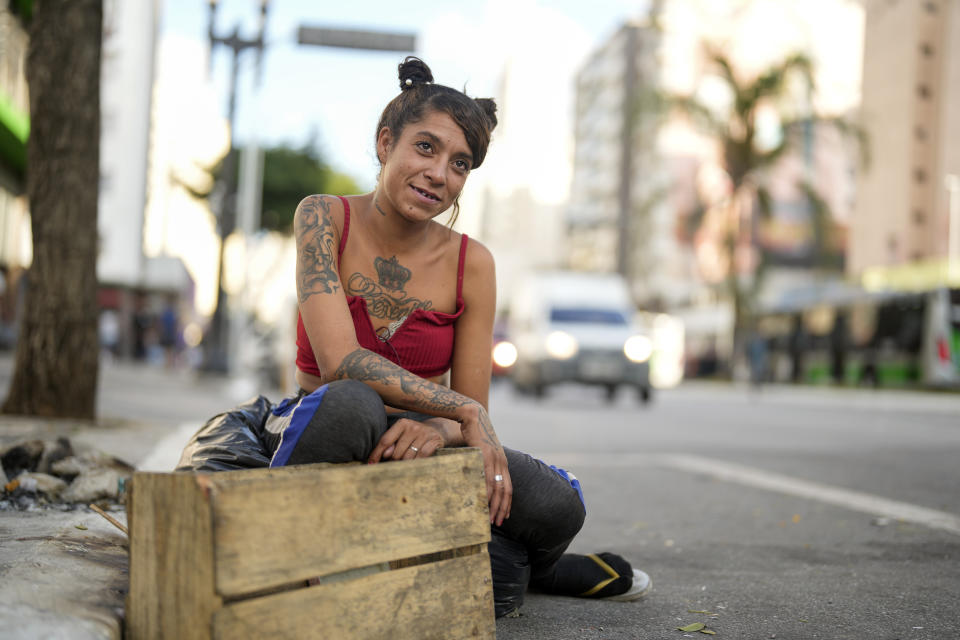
x: 911, y: 112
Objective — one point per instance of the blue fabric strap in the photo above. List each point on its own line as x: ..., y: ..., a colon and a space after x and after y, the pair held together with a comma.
x: 300, y: 413
x: 572, y: 479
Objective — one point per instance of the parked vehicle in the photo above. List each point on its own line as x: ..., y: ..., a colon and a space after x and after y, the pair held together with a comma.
x: 577, y: 327
x: 879, y: 339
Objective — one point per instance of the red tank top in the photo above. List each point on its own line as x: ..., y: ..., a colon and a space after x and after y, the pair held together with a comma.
x: 423, y: 344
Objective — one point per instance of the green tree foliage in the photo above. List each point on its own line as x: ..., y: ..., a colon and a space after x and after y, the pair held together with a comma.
x: 289, y: 175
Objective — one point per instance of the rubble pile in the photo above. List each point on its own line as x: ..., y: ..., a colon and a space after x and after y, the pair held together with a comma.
x: 38, y: 474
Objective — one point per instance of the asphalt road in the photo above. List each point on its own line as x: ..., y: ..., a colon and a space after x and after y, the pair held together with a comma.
x: 788, y: 513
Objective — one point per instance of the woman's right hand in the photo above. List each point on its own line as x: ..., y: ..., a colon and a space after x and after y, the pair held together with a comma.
x: 405, y: 440
x: 478, y: 432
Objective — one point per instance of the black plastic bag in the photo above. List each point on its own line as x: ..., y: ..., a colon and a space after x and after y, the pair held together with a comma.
x: 230, y: 440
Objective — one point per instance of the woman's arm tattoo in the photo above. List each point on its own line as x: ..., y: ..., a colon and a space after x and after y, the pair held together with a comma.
x: 317, y: 248
x: 366, y: 366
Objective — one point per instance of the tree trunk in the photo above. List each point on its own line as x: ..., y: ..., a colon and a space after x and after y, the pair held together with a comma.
x: 56, y: 363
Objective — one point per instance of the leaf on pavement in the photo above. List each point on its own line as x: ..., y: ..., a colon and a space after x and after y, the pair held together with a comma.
x: 696, y: 626
x: 706, y: 613
x: 708, y: 632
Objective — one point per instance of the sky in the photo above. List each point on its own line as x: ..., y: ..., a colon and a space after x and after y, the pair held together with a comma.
x: 335, y: 96
x: 525, y: 53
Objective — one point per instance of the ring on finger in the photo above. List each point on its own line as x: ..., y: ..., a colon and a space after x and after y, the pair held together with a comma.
x: 414, y: 449
x: 498, y: 478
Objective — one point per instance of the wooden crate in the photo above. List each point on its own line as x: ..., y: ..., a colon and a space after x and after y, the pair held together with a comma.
x: 400, y: 550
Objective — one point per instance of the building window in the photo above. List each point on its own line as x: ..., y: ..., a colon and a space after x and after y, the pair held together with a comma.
x: 926, y: 49
x: 919, y: 218
x: 924, y: 91
x: 920, y: 175
x: 919, y: 133
x: 930, y: 7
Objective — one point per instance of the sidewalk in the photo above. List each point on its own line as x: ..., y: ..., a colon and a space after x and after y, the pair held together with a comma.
x: 63, y: 574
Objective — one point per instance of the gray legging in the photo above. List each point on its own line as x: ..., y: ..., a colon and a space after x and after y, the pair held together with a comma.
x: 344, y: 420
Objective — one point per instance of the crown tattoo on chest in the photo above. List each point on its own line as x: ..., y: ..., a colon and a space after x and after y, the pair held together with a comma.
x: 391, y: 274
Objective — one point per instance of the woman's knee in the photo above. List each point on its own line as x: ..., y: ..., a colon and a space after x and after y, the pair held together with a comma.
x: 566, y: 512
x: 546, y: 504
x: 356, y: 404
x: 345, y: 426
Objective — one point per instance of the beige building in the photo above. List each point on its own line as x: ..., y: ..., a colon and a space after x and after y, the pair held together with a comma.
x: 619, y: 215
x: 911, y: 112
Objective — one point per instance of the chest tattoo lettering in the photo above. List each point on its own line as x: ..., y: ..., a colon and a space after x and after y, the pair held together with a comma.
x: 386, y: 299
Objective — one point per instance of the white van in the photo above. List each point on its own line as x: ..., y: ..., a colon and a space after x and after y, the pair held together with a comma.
x: 577, y: 327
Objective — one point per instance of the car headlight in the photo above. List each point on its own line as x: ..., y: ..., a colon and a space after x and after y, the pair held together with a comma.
x: 638, y: 348
x: 504, y: 354
x: 561, y: 345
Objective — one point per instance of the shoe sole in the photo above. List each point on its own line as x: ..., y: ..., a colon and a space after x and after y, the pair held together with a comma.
x: 642, y: 584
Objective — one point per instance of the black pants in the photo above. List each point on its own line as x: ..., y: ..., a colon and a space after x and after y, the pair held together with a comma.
x: 344, y: 420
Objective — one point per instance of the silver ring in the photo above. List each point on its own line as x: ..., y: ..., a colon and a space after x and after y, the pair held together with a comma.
x: 415, y: 450
x: 498, y: 478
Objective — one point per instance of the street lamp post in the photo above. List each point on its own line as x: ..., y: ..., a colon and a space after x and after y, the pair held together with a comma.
x: 215, y: 342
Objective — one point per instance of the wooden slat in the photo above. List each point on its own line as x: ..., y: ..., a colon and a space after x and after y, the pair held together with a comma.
x: 439, y: 555
x: 309, y: 522
x: 171, y: 557
x: 447, y: 599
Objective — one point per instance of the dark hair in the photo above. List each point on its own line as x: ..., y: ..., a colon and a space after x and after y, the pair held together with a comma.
x: 476, y: 117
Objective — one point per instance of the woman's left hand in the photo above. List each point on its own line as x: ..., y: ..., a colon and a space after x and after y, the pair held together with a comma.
x: 405, y: 440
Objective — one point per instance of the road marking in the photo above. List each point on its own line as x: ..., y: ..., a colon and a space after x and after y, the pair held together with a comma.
x: 166, y: 453
x: 769, y: 481
x: 855, y: 500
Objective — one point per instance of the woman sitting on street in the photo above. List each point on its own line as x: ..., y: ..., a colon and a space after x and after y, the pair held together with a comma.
x: 394, y: 337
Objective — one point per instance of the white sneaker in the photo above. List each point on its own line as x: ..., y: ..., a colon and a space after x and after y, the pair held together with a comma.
x: 641, y: 586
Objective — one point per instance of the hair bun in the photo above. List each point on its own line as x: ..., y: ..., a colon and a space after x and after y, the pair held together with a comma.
x: 489, y: 108
x: 413, y: 71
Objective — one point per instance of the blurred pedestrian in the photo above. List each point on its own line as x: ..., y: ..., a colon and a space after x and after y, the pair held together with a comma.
x: 797, y: 346
x: 838, y: 348
x: 393, y: 305
x: 169, y: 331
x: 144, y: 332
x: 109, y: 330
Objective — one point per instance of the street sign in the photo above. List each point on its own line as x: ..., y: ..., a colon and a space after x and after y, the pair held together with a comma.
x: 356, y: 39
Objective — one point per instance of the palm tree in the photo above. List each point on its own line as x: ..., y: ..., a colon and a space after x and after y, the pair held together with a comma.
x: 746, y: 164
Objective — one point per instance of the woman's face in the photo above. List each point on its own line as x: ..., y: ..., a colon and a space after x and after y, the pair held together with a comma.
x: 424, y: 169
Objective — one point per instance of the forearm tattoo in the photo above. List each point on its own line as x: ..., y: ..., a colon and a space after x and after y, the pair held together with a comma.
x: 316, y: 249
x: 420, y: 394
